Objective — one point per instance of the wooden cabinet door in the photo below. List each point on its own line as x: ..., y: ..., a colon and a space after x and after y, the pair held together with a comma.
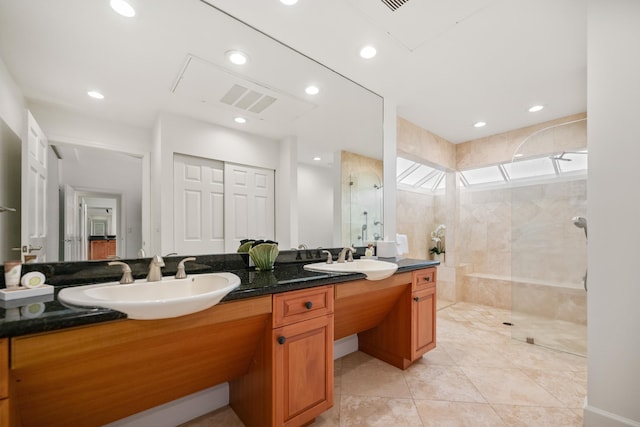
x: 423, y: 319
x: 303, y: 370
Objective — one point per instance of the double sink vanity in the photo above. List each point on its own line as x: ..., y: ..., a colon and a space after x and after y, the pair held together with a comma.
x: 271, y: 338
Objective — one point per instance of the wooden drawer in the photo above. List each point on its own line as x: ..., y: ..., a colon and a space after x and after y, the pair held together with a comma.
x: 423, y: 279
x: 295, y: 306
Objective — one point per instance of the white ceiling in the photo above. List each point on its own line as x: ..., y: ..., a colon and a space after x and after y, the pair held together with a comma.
x: 445, y: 64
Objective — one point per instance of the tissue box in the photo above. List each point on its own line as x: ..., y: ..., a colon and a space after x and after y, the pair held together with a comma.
x: 386, y: 249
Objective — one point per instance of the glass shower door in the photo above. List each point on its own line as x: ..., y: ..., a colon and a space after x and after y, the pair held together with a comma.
x: 548, y: 241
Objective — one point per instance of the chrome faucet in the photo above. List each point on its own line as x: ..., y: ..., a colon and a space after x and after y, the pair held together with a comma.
x: 343, y: 254
x: 329, y: 257
x: 155, y: 274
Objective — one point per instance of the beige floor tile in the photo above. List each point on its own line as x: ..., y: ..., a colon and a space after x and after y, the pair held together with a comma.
x: 457, y: 414
x: 532, y: 356
x: 223, y: 417
x: 438, y: 356
x: 568, y: 387
x: 473, y: 354
x: 522, y: 416
x: 438, y: 382
x: 367, y: 411
x: 363, y: 375
x: 509, y: 386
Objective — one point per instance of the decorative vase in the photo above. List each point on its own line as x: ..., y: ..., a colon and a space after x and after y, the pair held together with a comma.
x: 264, y: 256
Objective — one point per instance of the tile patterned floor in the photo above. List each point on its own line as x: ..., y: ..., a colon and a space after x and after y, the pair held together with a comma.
x: 477, y: 376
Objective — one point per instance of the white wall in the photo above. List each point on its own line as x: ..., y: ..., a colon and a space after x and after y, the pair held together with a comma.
x: 12, y: 103
x: 10, y: 155
x: 613, y: 209
x: 69, y: 126
x: 315, y: 202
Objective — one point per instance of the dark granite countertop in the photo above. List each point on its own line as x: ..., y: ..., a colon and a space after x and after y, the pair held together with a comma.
x: 46, y: 313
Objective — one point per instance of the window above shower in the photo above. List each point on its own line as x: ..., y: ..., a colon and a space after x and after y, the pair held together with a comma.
x: 561, y: 165
x: 415, y: 176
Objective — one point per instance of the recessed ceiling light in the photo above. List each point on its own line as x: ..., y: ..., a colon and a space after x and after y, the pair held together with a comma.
x: 312, y: 90
x: 237, y: 57
x: 518, y: 155
x: 368, y: 52
x: 479, y: 124
x: 317, y: 159
x: 289, y: 2
x: 95, y: 94
x: 536, y: 108
x: 123, y: 8
x: 240, y: 120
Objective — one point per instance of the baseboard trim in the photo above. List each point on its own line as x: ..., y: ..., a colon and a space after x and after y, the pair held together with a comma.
x: 179, y: 411
x: 596, y: 417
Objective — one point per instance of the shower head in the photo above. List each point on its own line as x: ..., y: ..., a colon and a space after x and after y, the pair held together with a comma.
x: 580, y: 222
x: 561, y: 157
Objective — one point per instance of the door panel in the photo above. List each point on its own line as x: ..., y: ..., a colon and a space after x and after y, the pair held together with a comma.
x: 34, y: 192
x: 251, y: 215
x: 198, y: 205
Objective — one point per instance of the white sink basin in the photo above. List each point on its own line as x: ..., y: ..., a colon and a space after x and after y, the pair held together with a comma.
x: 155, y: 300
x: 372, y: 268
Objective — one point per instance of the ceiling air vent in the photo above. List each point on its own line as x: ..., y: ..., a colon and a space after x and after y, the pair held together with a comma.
x: 247, y: 99
x: 394, y: 4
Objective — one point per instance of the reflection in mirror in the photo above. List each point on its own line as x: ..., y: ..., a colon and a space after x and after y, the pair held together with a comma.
x: 100, y: 196
x: 365, y: 205
x: 183, y: 98
x: 10, y: 160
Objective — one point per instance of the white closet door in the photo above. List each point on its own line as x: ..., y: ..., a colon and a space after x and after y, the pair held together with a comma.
x: 198, y: 205
x: 250, y: 205
x: 34, y: 191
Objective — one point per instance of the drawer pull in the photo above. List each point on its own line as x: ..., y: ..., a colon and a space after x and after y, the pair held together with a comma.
x: 308, y: 304
x: 427, y: 279
x: 281, y: 339
x: 416, y: 299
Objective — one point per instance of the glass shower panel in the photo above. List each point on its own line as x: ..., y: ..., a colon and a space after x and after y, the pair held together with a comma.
x: 548, y: 251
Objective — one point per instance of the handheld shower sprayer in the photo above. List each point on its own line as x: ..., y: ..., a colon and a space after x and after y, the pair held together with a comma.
x: 581, y: 222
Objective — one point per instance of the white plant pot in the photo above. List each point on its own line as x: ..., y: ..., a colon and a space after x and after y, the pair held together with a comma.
x: 438, y: 257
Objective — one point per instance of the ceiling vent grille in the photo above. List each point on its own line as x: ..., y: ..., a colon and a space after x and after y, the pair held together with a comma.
x: 394, y: 4
x: 247, y: 99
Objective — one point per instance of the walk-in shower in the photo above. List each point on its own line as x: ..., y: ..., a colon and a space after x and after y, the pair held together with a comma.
x: 548, y: 254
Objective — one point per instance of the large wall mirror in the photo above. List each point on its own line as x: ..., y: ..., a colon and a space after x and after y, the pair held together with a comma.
x: 169, y: 90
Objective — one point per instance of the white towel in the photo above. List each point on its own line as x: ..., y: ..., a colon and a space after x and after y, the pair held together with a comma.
x: 403, y: 243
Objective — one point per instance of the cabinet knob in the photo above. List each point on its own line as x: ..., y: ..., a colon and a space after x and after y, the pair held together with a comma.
x: 308, y: 304
x: 427, y: 279
x: 416, y: 299
x: 281, y: 339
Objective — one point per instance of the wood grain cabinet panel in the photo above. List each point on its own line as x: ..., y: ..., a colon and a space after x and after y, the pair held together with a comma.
x: 102, y: 249
x: 91, y: 376
x: 4, y: 382
x: 303, y: 370
x: 407, y: 329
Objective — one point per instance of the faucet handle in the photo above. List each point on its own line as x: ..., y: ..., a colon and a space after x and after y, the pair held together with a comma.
x: 350, y: 252
x: 126, y: 272
x: 157, y: 260
x: 181, y: 274
x: 329, y: 257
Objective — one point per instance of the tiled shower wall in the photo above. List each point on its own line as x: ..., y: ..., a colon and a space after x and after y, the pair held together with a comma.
x: 524, y: 231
